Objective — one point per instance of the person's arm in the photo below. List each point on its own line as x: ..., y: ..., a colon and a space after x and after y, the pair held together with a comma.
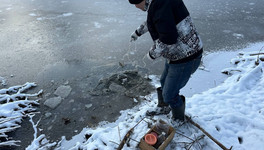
x: 165, y: 26
x: 142, y: 29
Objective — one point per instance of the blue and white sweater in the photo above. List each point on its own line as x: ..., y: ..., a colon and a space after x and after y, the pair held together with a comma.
x: 172, y: 30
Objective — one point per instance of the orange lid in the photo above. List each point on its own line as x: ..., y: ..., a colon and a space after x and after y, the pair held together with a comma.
x: 150, y: 139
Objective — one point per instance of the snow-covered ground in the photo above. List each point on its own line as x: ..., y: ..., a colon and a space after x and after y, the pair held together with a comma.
x: 232, y: 112
x: 14, y: 105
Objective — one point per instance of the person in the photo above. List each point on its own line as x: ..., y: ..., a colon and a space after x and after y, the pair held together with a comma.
x: 175, y: 39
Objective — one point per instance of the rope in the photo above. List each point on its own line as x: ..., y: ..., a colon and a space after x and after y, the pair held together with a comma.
x: 134, y: 63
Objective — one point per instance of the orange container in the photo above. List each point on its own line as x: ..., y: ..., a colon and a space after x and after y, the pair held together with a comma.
x: 154, y: 133
x: 143, y: 145
x: 150, y: 139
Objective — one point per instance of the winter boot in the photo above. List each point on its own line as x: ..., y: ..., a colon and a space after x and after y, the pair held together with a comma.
x: 159, y: 111
x: 178, y: 112
x: 161, y: 102
x: 162, y: 107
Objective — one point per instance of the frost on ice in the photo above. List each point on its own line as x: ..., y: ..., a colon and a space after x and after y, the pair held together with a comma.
x: 3, y: 81
x: 67, y: 14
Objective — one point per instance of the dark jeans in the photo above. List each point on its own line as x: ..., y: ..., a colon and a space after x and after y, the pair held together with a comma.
x: 175, y: 77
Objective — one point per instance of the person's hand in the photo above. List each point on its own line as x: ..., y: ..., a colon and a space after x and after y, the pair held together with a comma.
x: 155, y: 51
x: 149, y: 54
x: 134, y: 36
x: 150, y: 57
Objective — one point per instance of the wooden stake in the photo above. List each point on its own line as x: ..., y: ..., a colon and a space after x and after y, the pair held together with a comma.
x: 119, y: 133
x: 206, y: 133
x: 256, y: 54
x: 126, y: 137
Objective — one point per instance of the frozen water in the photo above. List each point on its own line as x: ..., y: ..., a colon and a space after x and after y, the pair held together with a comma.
x: 63, y: 91
x: 53, y: 102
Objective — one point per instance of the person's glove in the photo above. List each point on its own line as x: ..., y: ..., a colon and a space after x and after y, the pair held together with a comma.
x: 150, y: 53
x: 134, y: 36
x: 150, y: 57
x: 155, y: 51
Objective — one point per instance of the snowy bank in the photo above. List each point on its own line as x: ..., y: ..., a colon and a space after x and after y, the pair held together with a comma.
x: 14, y: 105
x: 231, y: 112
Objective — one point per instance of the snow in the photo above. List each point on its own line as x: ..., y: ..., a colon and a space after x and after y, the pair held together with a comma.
x: 238, y: 36
x: 40, y: 18
x: 64, y: 1
x: 228, y: 106
x: 3, y: 81
x: 227, y: 31
x: 88, y: 106
x: 40, y: 142
x: 232, y: 112
x: 98, y: 25
x: 32, y: 14
x: 67, y: 14
x: 14, y: 105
